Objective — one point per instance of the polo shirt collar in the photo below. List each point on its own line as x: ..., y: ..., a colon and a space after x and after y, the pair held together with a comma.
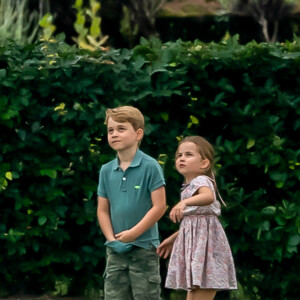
x: 137, y: 159
x: 135, y: 162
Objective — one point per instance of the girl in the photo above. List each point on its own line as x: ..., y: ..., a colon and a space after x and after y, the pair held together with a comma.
x: 201, y: 261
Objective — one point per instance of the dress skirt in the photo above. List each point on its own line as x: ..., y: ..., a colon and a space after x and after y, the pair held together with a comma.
x: 201, y: 256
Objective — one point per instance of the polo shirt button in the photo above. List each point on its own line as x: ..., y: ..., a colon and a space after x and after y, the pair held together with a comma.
x: 124, y: 178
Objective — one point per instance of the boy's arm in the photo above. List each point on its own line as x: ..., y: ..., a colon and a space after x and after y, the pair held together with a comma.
x: 103, y: 214
x: 158, y: 209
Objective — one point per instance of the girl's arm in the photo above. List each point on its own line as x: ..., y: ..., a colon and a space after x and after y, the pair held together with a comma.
x: 158, y: 209
x: 204, y: 196
x: 165, y: 248
x: 103, y: 213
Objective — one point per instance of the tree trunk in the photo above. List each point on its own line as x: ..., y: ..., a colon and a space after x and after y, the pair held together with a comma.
x: 275, y: 32
x: 264, y: 23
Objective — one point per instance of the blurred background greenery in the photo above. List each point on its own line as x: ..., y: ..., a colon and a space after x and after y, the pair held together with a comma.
x: 62, y: 63
x: 125, y: 21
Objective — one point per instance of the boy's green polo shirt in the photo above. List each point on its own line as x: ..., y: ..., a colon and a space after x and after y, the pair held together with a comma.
x: 129, y: 194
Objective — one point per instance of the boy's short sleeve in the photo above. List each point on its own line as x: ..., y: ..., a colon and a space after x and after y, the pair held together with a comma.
x: 156, y: 176
x: 101, y: 191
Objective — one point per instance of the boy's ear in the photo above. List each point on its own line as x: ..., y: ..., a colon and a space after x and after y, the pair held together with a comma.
x: 140, y: 134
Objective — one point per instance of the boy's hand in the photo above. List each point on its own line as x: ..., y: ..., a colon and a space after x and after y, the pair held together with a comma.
x: 176, y: 213
x: 119, y: 246
x: 126, y: 236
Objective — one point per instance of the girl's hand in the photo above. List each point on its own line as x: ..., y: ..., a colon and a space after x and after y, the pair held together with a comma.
x: 165, y: 248
x: 125, y: 236
x: 176, y: 213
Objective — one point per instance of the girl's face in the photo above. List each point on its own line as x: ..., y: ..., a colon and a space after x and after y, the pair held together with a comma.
x: 189, y: 162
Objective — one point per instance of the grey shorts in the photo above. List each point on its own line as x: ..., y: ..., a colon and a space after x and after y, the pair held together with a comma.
x: 132, y: 275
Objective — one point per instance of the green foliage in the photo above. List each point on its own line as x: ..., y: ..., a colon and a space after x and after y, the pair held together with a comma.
x: 47, y: 25
x: 89, y: 37
x: 244, y: 99
x: 17, y: 23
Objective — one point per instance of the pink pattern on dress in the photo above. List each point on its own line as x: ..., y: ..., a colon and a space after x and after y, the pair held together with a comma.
x: 201, y: 255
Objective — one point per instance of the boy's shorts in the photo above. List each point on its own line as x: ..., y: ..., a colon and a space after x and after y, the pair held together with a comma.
x: 132, y: 275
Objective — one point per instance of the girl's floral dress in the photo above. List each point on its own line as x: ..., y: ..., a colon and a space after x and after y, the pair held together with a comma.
x: 201, y: 255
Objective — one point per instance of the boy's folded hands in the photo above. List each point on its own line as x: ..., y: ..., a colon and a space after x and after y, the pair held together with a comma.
x: 126, y: 236
x: 119, y: 246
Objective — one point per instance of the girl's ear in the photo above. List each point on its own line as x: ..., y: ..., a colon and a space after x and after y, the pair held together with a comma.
x: 205, y: 163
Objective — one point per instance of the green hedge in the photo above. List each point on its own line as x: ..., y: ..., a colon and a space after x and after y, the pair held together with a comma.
x: 244, y: 99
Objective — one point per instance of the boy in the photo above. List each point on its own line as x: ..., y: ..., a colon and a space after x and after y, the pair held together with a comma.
x: 131, y: 199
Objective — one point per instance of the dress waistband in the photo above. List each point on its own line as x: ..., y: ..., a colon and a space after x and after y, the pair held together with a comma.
x: 200, y: 215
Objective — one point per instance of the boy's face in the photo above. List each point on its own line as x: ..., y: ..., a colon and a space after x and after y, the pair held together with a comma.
x: 122, y: 136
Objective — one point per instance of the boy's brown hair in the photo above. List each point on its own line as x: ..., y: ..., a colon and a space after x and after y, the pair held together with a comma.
x: 126, y: 114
